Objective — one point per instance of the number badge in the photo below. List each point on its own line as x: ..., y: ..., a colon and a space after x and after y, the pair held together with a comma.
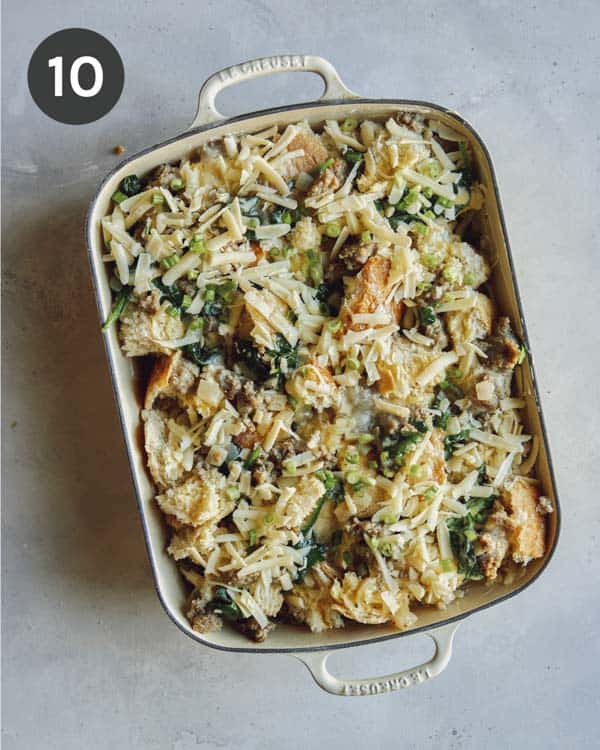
x: 76, y: 76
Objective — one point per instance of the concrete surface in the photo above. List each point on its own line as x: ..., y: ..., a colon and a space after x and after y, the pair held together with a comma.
x: 90, y: 660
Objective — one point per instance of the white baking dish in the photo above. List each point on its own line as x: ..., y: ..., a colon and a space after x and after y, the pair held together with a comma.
x: 337, y: 102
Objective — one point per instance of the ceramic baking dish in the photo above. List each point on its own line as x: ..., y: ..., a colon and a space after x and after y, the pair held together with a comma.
x: 312, y: 648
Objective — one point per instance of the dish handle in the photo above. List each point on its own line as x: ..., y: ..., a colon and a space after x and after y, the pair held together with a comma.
x: 442, y: 637
x: 262, y: 66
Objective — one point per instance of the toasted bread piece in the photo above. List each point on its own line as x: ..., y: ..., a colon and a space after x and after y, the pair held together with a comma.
x: 315, y: 152
x: 528, y: 528
x: 370, y: 290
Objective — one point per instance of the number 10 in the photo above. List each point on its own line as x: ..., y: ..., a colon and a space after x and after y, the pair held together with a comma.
x: 57, y: 64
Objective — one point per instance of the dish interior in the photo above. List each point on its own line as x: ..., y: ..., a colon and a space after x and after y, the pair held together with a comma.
x: 129, y: 382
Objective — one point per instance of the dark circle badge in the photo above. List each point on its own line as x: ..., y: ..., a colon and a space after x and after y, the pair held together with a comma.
x: 76, y: 76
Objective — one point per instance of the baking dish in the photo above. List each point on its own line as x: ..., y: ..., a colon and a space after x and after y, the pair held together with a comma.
x: 336, y: 102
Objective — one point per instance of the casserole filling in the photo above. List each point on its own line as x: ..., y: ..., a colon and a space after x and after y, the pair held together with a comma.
x: 329, y: 423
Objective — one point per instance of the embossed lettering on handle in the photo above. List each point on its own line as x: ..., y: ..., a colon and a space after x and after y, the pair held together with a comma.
x: 207, y: 111
x: 442, y: 637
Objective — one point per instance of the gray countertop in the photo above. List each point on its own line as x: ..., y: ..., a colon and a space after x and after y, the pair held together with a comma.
x: 89, y: 658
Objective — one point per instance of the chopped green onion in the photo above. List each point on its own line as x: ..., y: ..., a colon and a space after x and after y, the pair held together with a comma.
x: 352, y: 363
x: 192, y: 275
x: 352, y: 458
x: 430, y: 261
x: 270, y: 517
x: 373, y: 465
x: 332, y: 229
x: 427, y: 192
x: 353, y: 477
x: 252, y: 537
x: 389, y: 518
x: 429, y: 214
x: 186, y: 301
x: 353, y: 156
x: 450, y: 274
x: 420, y: 228
x: 289, y: 466
x: 454, y: 373
x: 334, y: 325
x: 158, y: 199
x: 416, y: 470
x: 118, y: 196
x: 365, y: 438
x: 445, y: 202
x: 119, y: 306
x: 349, y: 125
x: 197, y: 324
x: 197, y: 244
x: 447, y: 566
x: 325, y: 165
x: 286, y: 217
x: 469, y: 279
x: 365, y: 236
x: 386, y: 549
x: 430, y: 493
x: 252, y: 458
x: 169, y: 262
x: 176, y: 184
x: 172, y: 311
x: 209, y: 294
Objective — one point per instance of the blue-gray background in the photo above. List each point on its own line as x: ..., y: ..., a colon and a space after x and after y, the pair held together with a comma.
x: 89, y: 659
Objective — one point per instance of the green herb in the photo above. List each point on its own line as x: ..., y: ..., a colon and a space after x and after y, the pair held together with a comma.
x: 252, y: 458
x: 445, y: 202
x: 452, y: 442
x: 426, y: 316
x: 169, y: 262
x: 447, y: 566
x: 186, y: 301
x: 468, y: 279
x: 252, y: 537
x: 174, y: 312
x: 118, y: 196
x: 197, y: 324
x: 158, y: 199
x: 200, y: 355
x: 222, y: 604
x: 464, y: 531
x: 176, y: 184
x: 120, y: 304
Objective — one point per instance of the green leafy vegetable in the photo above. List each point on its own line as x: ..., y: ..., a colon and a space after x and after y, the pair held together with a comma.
x: 464, y: 532
x: 467, y: 168
x: 252, y: 458
x: 222, y: 604
x: 334, y: 488
x: 172, y: 294
x: 396, y: 445
x: 452, y: 442
x: 120, y: 304
x: 426, y: 316
x: 200, y: 355
x: 131, y: 185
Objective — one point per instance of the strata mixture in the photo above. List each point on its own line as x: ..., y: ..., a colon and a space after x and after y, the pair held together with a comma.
x: 329, y: 421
